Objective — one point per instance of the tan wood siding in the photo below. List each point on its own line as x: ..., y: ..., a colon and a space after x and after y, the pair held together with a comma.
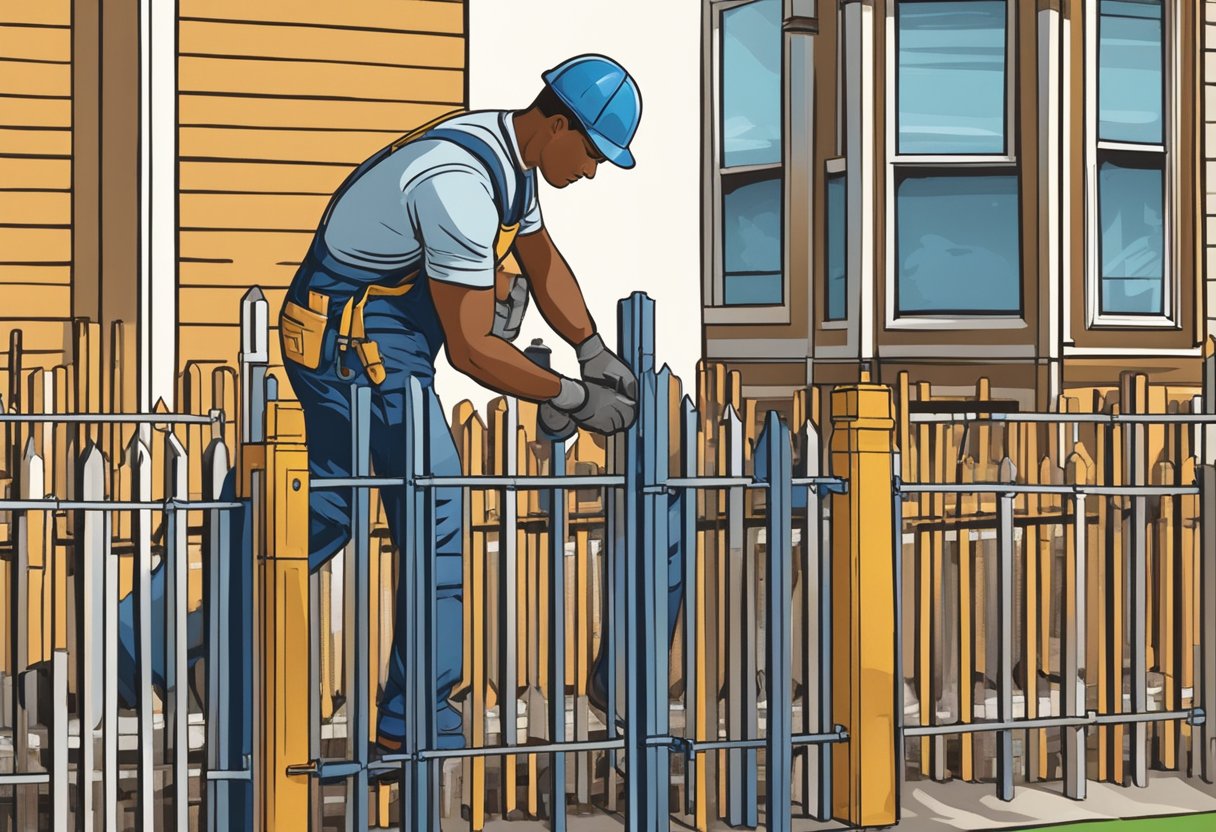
x: 35, y: 178
x: 278, y: 101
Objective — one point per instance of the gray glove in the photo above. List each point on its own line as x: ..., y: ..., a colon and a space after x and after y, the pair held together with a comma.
x: 509, y: 313
x: 601, y: 366
x: 555, y: 425
x: 592, y: 406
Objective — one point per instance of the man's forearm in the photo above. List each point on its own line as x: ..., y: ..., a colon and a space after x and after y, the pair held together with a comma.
x: 558, y: 295
x: 497, y: 364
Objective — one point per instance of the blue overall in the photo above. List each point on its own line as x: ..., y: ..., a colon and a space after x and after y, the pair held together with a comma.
x: 406, y: 328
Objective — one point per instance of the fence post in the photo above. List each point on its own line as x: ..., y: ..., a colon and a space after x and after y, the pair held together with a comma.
x: 646, y: 788
x: 1207, y: 621
x: 864, y: 781
x: 284, y: 626
x: 139, y: 459
x: 357, y: 623
x: 774, y: 449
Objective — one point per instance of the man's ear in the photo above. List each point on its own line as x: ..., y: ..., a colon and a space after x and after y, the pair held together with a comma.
x: 557, y: 124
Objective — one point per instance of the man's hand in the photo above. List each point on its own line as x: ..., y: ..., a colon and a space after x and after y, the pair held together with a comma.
x: 555, y: 425
x: 601, y: 366
x: 509, y: 313
x: 592, y: 406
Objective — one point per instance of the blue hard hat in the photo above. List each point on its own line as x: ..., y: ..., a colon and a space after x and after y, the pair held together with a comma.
x: 606, y: 100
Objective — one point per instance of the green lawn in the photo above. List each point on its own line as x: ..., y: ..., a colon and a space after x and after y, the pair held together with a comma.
x: 1184, y: 823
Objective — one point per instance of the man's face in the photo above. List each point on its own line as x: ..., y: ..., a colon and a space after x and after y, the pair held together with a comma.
x: 568, y: 155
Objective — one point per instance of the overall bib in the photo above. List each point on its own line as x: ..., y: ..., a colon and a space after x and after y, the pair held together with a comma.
x: 343, y: 325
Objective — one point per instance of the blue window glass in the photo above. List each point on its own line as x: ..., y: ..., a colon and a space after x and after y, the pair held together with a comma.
x: 957, y: 244
x: 951, y: 83
x: 1130, y: 199
x: 837, y: 272
x: 1131, y: 59
x: 751, y: 84
x: 751, y: 237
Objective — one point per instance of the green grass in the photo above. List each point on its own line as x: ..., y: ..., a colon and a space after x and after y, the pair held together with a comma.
x: 1182, y: 823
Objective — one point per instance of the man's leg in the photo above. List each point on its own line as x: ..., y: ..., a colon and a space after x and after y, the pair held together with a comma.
x: 439, y: 458
x: 326, y: 402
x: 598, y: 684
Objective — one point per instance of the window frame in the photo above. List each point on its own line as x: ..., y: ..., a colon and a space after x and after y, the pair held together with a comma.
x: 832, y: 168
x: 997, y: 163
x: 714, y: 307
x: 1094, y: 150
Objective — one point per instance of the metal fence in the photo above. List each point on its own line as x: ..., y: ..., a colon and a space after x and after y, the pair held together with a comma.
x: 970, y: 594
x: 1058, y: 612
x: 649, y: 490
x: 104, y: 731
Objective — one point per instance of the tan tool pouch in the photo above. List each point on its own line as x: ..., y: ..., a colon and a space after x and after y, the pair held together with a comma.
x: 302, y: 331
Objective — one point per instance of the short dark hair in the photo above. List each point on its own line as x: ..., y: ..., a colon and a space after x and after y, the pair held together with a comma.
x: 550, y: 104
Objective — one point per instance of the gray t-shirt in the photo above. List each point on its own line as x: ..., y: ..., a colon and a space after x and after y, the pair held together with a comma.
x: 432, y: 196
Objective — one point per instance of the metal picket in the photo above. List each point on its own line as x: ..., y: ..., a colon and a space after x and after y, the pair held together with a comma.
x: 774, y: 446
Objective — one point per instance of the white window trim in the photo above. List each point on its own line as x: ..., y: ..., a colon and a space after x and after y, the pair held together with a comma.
x: 715, y: 310
x: 894, y: 159
x: 1172, y: 70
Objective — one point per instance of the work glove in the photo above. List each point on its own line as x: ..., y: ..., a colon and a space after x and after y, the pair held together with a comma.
x: 591, y: 406
x: 509, y: 313
x: 601, y: 366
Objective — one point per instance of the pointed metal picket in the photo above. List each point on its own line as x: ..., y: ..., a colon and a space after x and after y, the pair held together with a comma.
x: 223, y: 715
x: 686, y: 511
x: 139, y: 460
x: 774, y: 447
x: 815, y: 590
x: 255, y: 357
x: 176, y: 573
x: 557, y: 640
x: 358, y: 626
x: 742, y: 721
x: 93, y: 555
x: 30, y: 551
x: 417, y: 786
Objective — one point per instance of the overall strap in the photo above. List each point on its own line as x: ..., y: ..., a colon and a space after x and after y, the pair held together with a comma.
x: 511, y: 213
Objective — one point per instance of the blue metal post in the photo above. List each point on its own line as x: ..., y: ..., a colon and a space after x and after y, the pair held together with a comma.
x: 656, y: 647
x: 357, y: 594
x: 774, y: 447
x: 217, y: 612
x: 416, y: 809
x: 636, y: 328
x: 557, y: 639
x: 687, y: 530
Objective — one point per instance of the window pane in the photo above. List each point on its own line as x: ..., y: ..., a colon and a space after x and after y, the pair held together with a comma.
x: 1130, y: 60
x: 957, y: 244
x: 751, y: 84
x: 751, y: 236
x: 951, y: 76
x: 837, y: 275
x: 1130, y: 196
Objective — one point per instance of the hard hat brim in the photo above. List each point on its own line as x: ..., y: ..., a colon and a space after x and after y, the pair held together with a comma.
x: 619, y: 156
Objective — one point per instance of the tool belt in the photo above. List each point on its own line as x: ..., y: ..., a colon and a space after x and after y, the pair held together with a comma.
x: 302, y: 330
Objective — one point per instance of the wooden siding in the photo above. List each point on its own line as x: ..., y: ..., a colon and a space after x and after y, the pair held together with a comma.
x: 278, y: 101
x: 35, y: 178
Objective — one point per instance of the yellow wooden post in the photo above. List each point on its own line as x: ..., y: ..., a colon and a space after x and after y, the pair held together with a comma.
x: 864, y: 769
x: 283, y: 624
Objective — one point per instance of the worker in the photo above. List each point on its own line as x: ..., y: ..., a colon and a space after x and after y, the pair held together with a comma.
x: 404, y: 264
